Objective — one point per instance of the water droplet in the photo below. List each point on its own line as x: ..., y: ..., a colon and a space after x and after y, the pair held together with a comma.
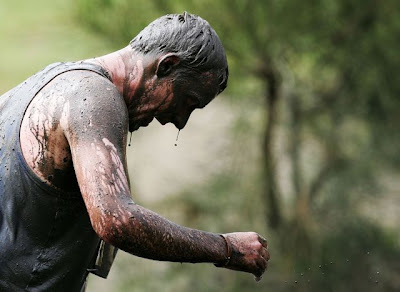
x: 177, y: 136
x: 130, y: 139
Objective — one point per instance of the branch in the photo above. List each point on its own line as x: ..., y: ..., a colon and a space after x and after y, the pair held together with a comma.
x: 326, y: 172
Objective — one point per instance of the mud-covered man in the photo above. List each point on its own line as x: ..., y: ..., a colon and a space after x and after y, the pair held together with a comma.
x: 64, y: 190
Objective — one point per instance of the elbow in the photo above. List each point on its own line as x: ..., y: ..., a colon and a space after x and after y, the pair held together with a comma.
x: 109, y: 227
x: 104, y: 232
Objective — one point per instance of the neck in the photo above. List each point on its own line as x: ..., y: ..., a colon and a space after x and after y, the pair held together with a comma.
x: 125, y: 68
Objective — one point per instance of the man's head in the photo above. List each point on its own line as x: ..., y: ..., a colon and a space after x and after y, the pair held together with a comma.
x: 190, y: 38
x: 191, y: 62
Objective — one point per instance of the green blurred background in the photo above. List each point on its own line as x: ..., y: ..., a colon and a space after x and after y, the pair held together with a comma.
x: 302, y: 147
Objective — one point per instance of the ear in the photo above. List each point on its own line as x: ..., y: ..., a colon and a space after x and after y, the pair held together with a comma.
x: 166, y: 64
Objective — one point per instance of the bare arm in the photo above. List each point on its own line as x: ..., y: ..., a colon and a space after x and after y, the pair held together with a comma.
x: 95, y: 123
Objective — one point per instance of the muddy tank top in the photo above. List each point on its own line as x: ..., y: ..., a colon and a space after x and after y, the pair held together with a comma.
x: 46, y: 240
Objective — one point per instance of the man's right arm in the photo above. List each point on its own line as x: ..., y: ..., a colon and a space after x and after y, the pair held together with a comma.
x: 95, y: 123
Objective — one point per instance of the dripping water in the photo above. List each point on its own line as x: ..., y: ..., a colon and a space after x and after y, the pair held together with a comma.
x: 130, y: 139
x: 177, y: 136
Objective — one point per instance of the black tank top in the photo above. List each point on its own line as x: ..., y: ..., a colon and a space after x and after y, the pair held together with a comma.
x: 46, y: 240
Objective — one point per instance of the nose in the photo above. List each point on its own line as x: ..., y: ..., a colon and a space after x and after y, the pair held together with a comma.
x: 181, y: 120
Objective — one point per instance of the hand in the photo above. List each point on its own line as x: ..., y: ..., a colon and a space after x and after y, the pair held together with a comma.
x: 249, y: 253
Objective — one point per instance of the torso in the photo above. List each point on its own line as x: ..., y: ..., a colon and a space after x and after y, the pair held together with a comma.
x: 47, y: 241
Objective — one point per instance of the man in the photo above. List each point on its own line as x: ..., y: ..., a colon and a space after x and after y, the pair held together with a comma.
x: 64, y: 187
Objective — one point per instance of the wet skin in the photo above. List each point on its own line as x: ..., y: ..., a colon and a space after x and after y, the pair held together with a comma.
x: 74, y: 134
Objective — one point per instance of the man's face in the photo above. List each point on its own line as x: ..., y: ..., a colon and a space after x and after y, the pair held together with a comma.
x: 173, y: 99
x: 188, y: 95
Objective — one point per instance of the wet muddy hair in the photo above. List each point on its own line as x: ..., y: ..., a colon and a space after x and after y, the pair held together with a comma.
x: 191, y: 38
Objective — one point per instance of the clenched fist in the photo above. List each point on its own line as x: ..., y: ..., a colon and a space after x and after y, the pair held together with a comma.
x: 247, y: 252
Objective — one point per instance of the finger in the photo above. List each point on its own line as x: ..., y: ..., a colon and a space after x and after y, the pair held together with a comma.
x: 266, y: 262
x: 265, y: 254
x: 258, y: 277
x: 263, y: 241
x: 261, y: 264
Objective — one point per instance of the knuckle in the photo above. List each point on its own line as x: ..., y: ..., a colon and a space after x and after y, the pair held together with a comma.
x: 258, y: 245
x: 253, y: 235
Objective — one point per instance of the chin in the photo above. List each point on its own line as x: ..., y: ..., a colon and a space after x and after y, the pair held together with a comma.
x: 136, y: 126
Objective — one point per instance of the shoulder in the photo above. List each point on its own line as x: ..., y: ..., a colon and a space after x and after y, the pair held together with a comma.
x: 90, y: 102
x: 87, y: 90
x: 76, y: 85
x: 84, y: 82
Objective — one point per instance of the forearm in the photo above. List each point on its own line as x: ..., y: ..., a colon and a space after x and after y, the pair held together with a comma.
x: 144, y: 233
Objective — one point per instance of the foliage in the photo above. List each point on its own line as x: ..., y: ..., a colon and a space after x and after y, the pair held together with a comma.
x: 29, y: 43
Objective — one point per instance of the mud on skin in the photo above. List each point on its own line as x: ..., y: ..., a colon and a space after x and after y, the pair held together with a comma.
x: 70, y: 120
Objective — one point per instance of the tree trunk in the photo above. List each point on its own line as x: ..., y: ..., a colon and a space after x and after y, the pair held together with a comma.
x: 271, y: 193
